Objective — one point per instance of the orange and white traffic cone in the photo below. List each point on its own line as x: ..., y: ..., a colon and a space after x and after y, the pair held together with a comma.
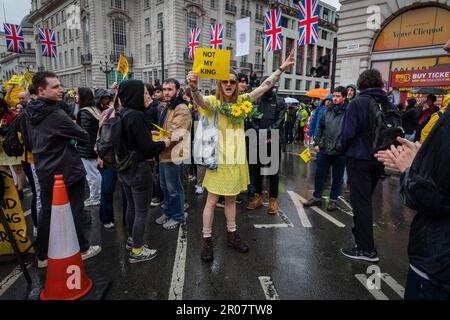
x: 66, y: 278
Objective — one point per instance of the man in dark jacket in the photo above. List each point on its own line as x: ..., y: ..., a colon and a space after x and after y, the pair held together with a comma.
x: 273, y: 109
x: 364, y: 171
x: 410, y: 119
x: 329, y: 149
x: 52, y: 135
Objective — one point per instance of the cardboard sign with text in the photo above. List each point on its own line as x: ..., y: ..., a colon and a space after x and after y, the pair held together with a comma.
x: 212, y: 63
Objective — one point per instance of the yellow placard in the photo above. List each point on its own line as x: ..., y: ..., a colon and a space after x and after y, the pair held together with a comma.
x: 306, y: 155
x: 16, y: 80
x: 162, y: 132
x: 12, y: 96
x: 28, y: 77
x: 123, y: 67
x: 12, y: 208
x: 212, y: 63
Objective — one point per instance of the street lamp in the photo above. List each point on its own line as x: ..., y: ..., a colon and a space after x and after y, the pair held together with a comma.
x: 106, y: 67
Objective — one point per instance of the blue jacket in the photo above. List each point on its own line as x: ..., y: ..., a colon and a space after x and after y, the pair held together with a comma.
x: 314, y: 125
x: 356, y: 124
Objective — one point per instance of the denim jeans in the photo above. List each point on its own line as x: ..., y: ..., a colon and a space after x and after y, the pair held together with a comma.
x: 137, y: 184
x: 171, y: 179
x: 324, y: 162
x: 418, y: 288
x: 109, y: 181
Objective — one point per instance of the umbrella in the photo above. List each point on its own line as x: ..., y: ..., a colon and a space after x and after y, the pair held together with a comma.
x: 291, y: 100
x: 435, y: 91
x: 318, y: 93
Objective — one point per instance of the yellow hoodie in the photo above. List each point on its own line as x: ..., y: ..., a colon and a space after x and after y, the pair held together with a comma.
x: 434, y: 119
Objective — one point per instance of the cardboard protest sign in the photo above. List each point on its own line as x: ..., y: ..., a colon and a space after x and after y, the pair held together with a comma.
x: 212, y: 63
x: 12, y: 208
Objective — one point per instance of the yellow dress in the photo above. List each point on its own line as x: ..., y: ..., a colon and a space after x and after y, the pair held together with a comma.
x: 232, y: 176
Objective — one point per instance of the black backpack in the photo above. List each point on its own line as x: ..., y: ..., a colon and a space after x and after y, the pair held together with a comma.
x: 385, y: 123
x: 12, y: 145
x: 110, y: 145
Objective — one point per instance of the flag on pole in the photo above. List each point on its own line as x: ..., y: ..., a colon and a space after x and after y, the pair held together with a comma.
x: 243, y: 37
x: 273, y: 30
x: 15, y: 41
x: 123, y: 67
x: 47, y: 39
x: 306, y: 155
x: 194, y: 42
x: 217, y: 36
x: 309, y: 22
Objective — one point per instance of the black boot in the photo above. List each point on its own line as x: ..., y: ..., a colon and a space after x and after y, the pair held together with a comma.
x: 207, y: 250
x: 234, y: 241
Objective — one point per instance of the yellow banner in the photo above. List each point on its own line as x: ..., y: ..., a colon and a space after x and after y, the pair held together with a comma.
x: 306, y: 155
x: 17, y: 80
x: 212, y: 63
x: 12, y: 209
x: 28, y: 77
x: 123, y: 67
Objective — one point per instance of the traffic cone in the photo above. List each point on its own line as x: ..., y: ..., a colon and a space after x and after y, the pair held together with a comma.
x: 66, y: 278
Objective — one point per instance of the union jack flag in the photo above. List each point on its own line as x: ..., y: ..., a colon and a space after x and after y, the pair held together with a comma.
x: 14, y: 38
x: 48, y: 42
x: 217, y: 36
x: 309, y: 22
x: 194, y: 42
x: 274, y: 35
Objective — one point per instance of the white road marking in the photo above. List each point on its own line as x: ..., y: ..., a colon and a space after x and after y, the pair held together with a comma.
x: 269, y: 288
x: 287, y: 222
x: 10, y: 279
x: 350, y: 213
x: 179, y: 267
x: 346, y: 203
x: 376, y: 293
x: 298, y: 203
x: 391, y: 282
x: 328, y: 217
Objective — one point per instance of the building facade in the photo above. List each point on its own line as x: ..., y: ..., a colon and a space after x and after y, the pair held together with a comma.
x: 402, y: 39
x: 14, y: 63
x: 108, y: 28
x: 300, y: 79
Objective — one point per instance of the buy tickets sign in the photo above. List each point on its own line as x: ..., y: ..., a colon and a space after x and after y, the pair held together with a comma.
x: 212, y: 63
x: 421, y: 78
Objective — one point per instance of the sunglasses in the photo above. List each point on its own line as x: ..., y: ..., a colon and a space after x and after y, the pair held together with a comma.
x: 232, y: 82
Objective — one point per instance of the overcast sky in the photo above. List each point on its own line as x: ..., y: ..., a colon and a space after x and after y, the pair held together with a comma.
x: 17, y: 9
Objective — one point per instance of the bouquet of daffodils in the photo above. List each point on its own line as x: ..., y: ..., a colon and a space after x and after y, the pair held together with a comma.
x: 241, y: 110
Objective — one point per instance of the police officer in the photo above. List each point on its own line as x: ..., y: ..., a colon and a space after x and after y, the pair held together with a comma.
x: 273, y: 109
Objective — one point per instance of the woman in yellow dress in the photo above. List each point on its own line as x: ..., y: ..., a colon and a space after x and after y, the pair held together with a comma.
x: 232, y: 175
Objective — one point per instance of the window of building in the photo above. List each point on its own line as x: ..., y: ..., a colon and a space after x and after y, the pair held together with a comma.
x: 64, y: 36
x: 325, y: 85
x: 324, y: 35
x: 78, y: 55
x: 229, y: 30
x: 192, y: 20
x: 284, y: 22
x: 159, y: 50
x: 258, y: 58
x: 119, y: 36
x: 309, y: 58
x: 160, y: 21
x: 299, y: 60
x: 118, y: 4
x: 72, y: 57
x: 287, y: 84
x: 147, y: 53
x: 66, y: 60
x: 86, y: 35
x: 259, y: 37
x: 146, y: 4
x: 213, y: 4
x: 70, y: 34
x: 318, y: 85
x: 308, y: 85
x: 298, y: 85
x: 57, y: 19
x: 147, y: 25
x: 290, y: 44
x: 277, y: 59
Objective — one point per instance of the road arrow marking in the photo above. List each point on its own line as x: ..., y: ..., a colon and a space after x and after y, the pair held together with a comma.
x: 298, y: 203
x: 328, y: 217
x: 287, y: 222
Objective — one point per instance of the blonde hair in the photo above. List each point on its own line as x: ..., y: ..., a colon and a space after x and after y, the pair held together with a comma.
x: 220, y: 96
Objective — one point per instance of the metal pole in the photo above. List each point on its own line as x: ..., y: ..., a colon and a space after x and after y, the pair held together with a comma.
x: 333, y: 74
x: 162, y: 55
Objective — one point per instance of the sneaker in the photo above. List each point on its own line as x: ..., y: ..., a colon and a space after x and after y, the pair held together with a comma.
x: 162, y: 220
x: 92, y: 252
x: 234, y: 241
x: 156, y: 201
x: 313, y: 203
x: 239, y: 200
x: 199, y: 190
x: 359, y: 254
x: 207, y: 254
x: 146, y: 254
x: 109, y: 225
x: 332, y: 206
x: 91, y: 203
x: 129, y: 245
x: 42, y: 264
x: 171, y: 224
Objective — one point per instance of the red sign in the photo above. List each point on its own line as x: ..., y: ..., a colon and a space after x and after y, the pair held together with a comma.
x: 421, y: 78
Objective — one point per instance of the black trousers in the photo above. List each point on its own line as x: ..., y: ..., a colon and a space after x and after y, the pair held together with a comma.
x: 363, y: 177
x: 76, y: 198
x: 255, y: 171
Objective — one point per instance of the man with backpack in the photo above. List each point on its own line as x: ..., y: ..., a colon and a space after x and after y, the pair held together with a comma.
x: 363, y: 132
